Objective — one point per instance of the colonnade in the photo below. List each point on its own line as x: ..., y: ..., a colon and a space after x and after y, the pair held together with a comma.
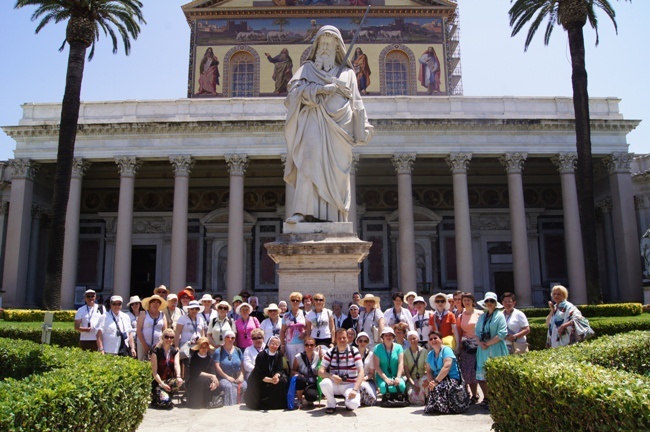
x: 623, y: 226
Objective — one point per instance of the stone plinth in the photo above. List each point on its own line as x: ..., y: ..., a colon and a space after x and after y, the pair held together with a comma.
x: 646, y: 291
x: 318, y: 257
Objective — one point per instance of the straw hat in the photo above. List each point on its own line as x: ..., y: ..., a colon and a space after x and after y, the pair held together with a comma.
x: 224, y: 303
x: 145, y: 302
x: 370, y: 297
x: 161, y: 288
x: 241, y: 306
x: 432, y: 300
x: 200, y: 341
x: 207, y: 297
x: 271, y: 307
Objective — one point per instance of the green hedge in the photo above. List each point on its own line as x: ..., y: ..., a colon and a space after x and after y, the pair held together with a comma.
x: 590, y: 311
x: 33, y: 315
x: 602, y: 327
x: 593, y: 386
x: 59, y: 337
x: 69, y: 389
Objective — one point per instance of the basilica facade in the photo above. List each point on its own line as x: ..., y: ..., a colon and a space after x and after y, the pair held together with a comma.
x: 479, y: 192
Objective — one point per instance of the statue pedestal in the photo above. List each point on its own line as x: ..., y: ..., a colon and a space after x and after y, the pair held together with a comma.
x: 646, y: 291
x: 318, y: 257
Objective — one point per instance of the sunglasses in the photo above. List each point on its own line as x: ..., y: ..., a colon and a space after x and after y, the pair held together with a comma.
x: 434, y: 339
x: 161, y: 292
x: 310, y: 345
x: 319, y: 300
x: 90, y: 296
x: 295, y: 301
x: 441, y: 301
x: 363, y: 341
x: 116, y: 304
x: 155, y: 301
x: 222, y: 308
x: 490, y: 301
x: 168, y: 337
x: 258, y: 338
x: 230, y: 337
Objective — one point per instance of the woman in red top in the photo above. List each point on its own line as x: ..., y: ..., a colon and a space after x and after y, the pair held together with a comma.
x: 444, y: 321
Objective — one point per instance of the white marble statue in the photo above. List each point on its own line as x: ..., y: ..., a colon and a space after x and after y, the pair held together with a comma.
x: 325, y: 120
x: 645, y: 253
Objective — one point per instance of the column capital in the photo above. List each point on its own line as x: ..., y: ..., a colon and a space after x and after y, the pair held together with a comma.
x: 618, y: 163
x: 128, y: 166
x: 604, y: 205
x: 183, y: 164
x: 24, y: 168
x: 458, y: 162
x: 237, y: 164
x: 79, y: 167
x: 565, y: 162
x: 403, y: 162
x: 355, y: 164
x: 514, y: 162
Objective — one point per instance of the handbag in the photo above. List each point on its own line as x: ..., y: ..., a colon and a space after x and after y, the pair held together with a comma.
x: 470, y: 345
x: 394, y: 400
x: 291, y: 393
x: 517, y: 347
x: 583, y: 330
x: 124, y: 350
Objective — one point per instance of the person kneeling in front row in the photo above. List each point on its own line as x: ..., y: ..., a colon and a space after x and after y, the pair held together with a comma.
x: 342, y: 373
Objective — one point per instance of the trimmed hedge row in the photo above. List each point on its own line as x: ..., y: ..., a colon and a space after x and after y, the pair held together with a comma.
x: 603, y: 327
x: 33, y: 315
x: 570, y: 388
x: 59, y: 337
x: 69, y: 389
x: 590, y: 311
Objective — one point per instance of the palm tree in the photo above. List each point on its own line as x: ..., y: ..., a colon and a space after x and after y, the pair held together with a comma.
x: 281, y: 22
x: 85, y: 20
x: 572, y: 15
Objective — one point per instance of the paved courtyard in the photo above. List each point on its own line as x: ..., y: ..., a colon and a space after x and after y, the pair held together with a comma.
x: 239, y: 418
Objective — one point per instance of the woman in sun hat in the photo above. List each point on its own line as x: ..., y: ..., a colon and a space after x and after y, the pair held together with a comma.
x: 421, y: 320
x: 135, y: 308
x: 202, y: 381
x: 389, y: 365
x: 491, y: 330
x: 150, y: 325
x: 208, y: 313
x: 228, y: 360
x: 273, y: 324
x: 220, y: 325
x: 444, y: 321
x: 371, y: 319
x: 189, y: 329
x: 245, y: 324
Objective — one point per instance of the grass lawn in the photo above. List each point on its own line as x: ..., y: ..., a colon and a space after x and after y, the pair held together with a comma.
x: 35, y: 325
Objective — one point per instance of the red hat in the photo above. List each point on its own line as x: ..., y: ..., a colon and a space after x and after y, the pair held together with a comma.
x: 186, y: 293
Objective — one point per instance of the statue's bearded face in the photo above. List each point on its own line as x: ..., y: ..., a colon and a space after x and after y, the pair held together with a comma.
x: 326, y: 52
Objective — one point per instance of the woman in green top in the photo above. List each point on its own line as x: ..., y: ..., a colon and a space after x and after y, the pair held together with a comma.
x: 389, y: 364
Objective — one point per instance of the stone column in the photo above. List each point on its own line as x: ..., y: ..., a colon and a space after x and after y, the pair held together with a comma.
x: 128, y: 167
x: 237, y: 165
x: 109, y: 253
x: 33, y: 264
x: 403, y: 164
x: 4, y: 209
x: 248, y: 273
x: 71, y: 242
x: 352, y: 214
x: 628, y: 262
x: 566, y: 163
x: 459, y: 162
x: 394, y: 262
x: 288, y: 192
x: 514, y: 163
x: 178, y: 272
x: 207, y: 260
x: 14, y: 280
x: 435, y: 263
x: 609, y: 241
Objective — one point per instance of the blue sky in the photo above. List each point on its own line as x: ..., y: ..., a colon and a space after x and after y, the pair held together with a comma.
x: 493, y: 63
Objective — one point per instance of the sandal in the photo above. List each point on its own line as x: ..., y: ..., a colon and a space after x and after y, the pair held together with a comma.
x: 330, y: 410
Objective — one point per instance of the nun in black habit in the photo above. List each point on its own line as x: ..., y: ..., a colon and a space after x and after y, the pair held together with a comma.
x: 267, y: 383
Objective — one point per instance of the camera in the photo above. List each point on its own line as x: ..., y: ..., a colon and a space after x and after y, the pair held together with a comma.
x: 485, y: 337
x: 344, y: 376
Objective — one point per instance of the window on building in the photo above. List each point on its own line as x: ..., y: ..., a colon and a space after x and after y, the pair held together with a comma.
x: 242, y: 73
x: 397, y: 80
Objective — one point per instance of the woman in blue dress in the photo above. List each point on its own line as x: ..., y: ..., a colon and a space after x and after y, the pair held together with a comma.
x: 491, y: 330
x: 228, y: 360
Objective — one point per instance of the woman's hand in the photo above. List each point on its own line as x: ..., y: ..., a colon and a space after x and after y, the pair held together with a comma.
x: 276, y: 379
x: 179, y: 381
x: 166, y: 387
x: 432, y: 385
x: 483, y: 345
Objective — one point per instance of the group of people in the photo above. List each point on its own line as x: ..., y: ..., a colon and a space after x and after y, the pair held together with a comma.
x: 228, y: 353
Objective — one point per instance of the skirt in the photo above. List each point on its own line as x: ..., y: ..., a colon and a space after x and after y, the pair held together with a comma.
x: 467, y: 362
